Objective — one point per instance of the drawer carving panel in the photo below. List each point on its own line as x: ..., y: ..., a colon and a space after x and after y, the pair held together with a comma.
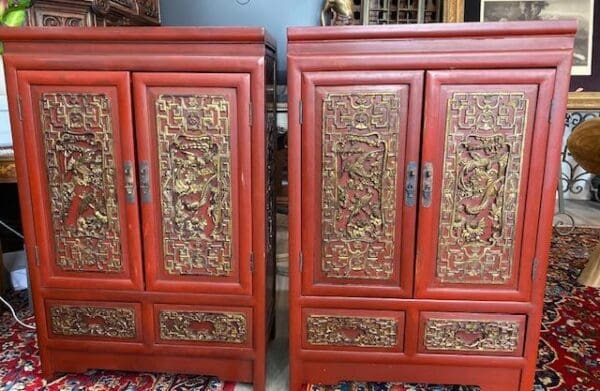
x: 203, y: 326
x: 473, y: 333
x: 370, y: 329
x: 93, y: 321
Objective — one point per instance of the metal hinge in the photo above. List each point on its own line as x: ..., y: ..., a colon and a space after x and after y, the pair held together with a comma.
x: 252, y: 262
x: 301, y: 261
x: 534, y: 268
x: 300, y: 112
x: 19, y: 108
x: 251, y: 114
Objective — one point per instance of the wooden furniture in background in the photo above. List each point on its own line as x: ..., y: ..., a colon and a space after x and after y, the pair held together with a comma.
x: 584, y: 144
x: 8, y: 174
x: 144, y: 159
x: 369, y: 12
x: 91, y: 13
x: 418, y: 251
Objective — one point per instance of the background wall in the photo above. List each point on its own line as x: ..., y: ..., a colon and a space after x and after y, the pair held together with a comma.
x: 274, y: 15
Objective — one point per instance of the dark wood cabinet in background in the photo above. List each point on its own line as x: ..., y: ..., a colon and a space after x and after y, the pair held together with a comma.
x: 143, y: 158
x: 423, y: 163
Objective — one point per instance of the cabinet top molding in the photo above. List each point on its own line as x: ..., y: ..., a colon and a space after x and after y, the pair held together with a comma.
x: 433, y: 30
x: 136, y: 34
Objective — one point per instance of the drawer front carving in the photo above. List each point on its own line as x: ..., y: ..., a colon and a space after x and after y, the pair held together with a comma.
x: 360, y: 134
x: 87, y: 320
x: 204, y: 326
x: 379, y: 330
x: 195, y: 183
x: 472, y: 333
x: 484, y: 146
x: 79, y: 151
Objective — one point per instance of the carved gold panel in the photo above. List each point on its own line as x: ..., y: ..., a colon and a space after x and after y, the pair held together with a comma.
x: 471, y: 335
x: 195, y: 183
x: 358, y: 212
x: 92, y: 321
x: 79, y: 152
x: 226, y: 327
x: 485, y: 133
x: 352, y: 331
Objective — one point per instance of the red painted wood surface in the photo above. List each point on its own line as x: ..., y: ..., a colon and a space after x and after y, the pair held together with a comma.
x: 532, y: 59
x: 177, y: 59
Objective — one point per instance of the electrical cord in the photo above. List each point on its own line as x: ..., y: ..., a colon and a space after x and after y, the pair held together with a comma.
x: 14, y: 314
x: 10, y: 307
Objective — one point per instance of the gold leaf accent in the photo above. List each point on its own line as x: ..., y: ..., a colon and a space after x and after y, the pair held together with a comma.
x: 229, y: 327
x: 93, y: 321
x: 352, y: 331
x: 485, y: 133
x: 471, y: 335
x: 360, y: 146
x: 195, y: 179
x: 79, y: 150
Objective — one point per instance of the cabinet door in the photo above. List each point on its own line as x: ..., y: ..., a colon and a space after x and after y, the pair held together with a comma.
x: 193, y: 135
x: 483, y: 158
x: 360, y: 148
x: 80, y: 156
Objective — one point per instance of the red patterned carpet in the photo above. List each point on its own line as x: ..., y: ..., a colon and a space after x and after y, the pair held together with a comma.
x: 569, y: 358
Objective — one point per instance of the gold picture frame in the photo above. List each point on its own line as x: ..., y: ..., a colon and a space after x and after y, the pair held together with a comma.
x: 584, y: 101
x: 454, y: 11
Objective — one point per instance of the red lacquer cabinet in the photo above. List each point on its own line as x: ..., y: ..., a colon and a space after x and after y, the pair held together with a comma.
x: 423, y: 163
x: 144, y: 165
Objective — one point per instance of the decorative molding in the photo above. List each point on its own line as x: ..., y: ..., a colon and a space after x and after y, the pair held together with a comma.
x: 194, y: 144
x: 359, y: 163
x: 80, y: 160
x: 485, y: 133
x: 471, y: 335
x: 352, y: 331
x: 90, y: 321
x: 198, y: 326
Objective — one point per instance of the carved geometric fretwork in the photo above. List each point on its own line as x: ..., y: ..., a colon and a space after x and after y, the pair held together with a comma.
x: 480, y: 189
x: 195, y: 180
x: 227, y: 327
x: 69, y: 320
x: 352, y: 331
x: 360, y: 146
x: 79, y: 151
x: 471, y: 335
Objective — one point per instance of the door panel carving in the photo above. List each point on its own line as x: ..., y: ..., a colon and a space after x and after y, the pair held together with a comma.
x: 203, y: 326
x: 79, y: 150
x: 355, y: 156
x: 360, y: 146
x: 485, y: 131
x: 195, y: 177
x: 481, y: 178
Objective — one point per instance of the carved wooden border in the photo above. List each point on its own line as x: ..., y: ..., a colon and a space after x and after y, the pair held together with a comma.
x: 454, y: 11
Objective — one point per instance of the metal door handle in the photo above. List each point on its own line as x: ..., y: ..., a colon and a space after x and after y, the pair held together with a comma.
x: 129, y: 181
x: 427, y: 184
x: 410, y: 184
x: 145, y: 181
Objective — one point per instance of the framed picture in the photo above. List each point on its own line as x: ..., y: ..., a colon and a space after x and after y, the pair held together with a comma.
x: 582, y: 10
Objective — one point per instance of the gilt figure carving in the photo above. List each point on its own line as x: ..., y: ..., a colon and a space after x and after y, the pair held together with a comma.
x: 340, y: 12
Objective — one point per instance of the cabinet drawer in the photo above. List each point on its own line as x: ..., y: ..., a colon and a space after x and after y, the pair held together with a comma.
x: 203, y: 325
x: 94, y: 320
x: 471, y: 333
x: 332, y: 329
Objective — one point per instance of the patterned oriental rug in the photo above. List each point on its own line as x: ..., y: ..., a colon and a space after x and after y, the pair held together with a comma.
x: 569, y: 358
